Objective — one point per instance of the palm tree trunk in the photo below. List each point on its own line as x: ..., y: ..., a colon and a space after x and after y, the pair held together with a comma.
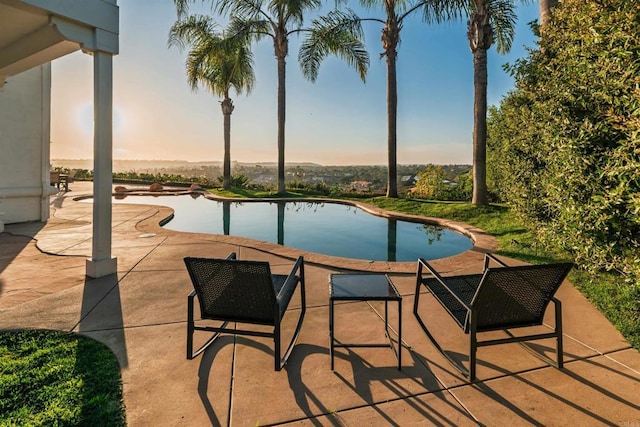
x: 392, y: 119
x: 227, y: 109
x: 480, y: 127
x: 545, y: 10
x: 281, y: 120
x: 480, y: 36
x: 390, y: 40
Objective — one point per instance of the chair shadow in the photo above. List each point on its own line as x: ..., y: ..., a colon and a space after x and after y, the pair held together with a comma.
x: 206, y: 363
x: 365, y: 374
x: 204, y: 371
x: 303, y: 393
x: 488, y: 391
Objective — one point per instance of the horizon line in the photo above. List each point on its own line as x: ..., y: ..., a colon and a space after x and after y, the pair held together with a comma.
x: 260, y: 163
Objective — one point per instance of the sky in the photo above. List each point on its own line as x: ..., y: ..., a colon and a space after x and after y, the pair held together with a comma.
x: 338, y: 120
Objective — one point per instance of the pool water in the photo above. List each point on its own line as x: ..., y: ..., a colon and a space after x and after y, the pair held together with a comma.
x: 325, y: 228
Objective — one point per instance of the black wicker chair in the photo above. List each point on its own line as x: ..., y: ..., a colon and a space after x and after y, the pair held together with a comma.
x: 232, y: 290
x: 498, y: 299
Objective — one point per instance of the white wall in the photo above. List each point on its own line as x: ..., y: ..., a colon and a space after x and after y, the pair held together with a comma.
x: 25, y: 102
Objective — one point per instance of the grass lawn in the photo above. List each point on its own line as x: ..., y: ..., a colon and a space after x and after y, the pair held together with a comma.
x: 51, y: 378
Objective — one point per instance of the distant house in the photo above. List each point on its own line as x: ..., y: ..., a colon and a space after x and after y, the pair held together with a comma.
x: 408, y: 179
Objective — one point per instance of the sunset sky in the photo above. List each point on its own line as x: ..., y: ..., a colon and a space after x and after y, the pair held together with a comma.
x: 336, y: 121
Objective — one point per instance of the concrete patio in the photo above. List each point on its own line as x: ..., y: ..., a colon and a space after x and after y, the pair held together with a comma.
x: 140, y: 313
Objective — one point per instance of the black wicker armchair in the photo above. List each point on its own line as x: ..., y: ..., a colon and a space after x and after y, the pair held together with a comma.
x: 232, y: 290
x: 498, y: 299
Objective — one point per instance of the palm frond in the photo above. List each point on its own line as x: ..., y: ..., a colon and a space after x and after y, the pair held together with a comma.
x: 191, y: 30
x: 292, y: 12
x: 438, y: 11
x: 252, y: 29
x: 502, y: 16
x: 249, y: 9
x: 338, y: 33
x: 214, y: 61
x: 182, y: 6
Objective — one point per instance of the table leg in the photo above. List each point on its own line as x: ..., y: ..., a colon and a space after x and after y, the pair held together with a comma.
x: 399, y: 334
x: 331, y: 332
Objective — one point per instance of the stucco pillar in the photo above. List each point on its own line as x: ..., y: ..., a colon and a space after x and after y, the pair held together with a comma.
x: 101, y: 262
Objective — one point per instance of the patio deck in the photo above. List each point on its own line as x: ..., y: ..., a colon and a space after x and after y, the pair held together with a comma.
x: 140, y: 313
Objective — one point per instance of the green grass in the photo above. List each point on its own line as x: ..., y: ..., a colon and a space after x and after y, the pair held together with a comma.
x: 58, y: 378
x: 252, y: 194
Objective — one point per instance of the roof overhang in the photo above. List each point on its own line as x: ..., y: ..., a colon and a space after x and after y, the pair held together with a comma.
x: 35, y: 32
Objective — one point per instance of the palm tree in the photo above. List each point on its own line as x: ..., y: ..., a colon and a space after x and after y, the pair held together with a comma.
x: 396, y: 12
x: 219, y: 64
x: 489, y: 21
x: 278, y: 20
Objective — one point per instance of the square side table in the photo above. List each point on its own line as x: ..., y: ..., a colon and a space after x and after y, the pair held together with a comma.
x: 364, y: 287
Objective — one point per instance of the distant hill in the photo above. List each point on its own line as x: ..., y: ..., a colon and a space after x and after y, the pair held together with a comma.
x: 146, y: 165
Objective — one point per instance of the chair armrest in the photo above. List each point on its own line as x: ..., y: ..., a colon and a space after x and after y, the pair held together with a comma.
x: 440, y: 280
x: 490, y: 257
x: 291, y: 279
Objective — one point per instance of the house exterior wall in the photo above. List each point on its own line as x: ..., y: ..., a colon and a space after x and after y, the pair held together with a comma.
x: 25, y: 102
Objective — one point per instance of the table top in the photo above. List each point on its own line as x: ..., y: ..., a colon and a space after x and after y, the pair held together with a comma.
x: 362, y: 286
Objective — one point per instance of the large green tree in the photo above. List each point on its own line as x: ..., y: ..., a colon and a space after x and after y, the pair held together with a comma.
x: 396, y: 12
x: 219, y: 64
x: 568, y: 138
x: 279, y: 20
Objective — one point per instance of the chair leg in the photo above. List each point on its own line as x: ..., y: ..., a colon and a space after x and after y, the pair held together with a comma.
x: 559, y: 345
x: 473, y: 347
x: 456, y: 365
x: 416, y: 298
x: 191, y: 328
x: 281, y: 361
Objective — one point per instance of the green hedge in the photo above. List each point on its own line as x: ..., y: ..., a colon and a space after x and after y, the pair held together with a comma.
x: 564, y: 147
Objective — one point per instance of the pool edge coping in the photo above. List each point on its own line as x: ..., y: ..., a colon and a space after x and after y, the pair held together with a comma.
x: 482, y: 241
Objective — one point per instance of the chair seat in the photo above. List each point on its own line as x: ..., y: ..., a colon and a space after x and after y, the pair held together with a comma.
x: 464, y: 287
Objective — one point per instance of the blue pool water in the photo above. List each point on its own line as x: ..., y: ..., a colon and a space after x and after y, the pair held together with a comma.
x: 326, y: 228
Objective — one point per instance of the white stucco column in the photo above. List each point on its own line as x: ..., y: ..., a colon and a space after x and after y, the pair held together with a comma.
x: 101, y: 262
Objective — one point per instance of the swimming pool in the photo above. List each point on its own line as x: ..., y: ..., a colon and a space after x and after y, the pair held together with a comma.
x: 326, y: 228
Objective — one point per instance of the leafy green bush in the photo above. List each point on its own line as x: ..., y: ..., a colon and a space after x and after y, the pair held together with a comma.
x: 433, y: 184
x: 161, y: 178
x: 237, y: 181
x: 313, y: 189
x: 565, y: 145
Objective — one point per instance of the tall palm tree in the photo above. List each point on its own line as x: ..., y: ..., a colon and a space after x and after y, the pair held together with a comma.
x: 489, y: 21
x: 396, y: 12
x: 278, y: 20
x: 218, y: 63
